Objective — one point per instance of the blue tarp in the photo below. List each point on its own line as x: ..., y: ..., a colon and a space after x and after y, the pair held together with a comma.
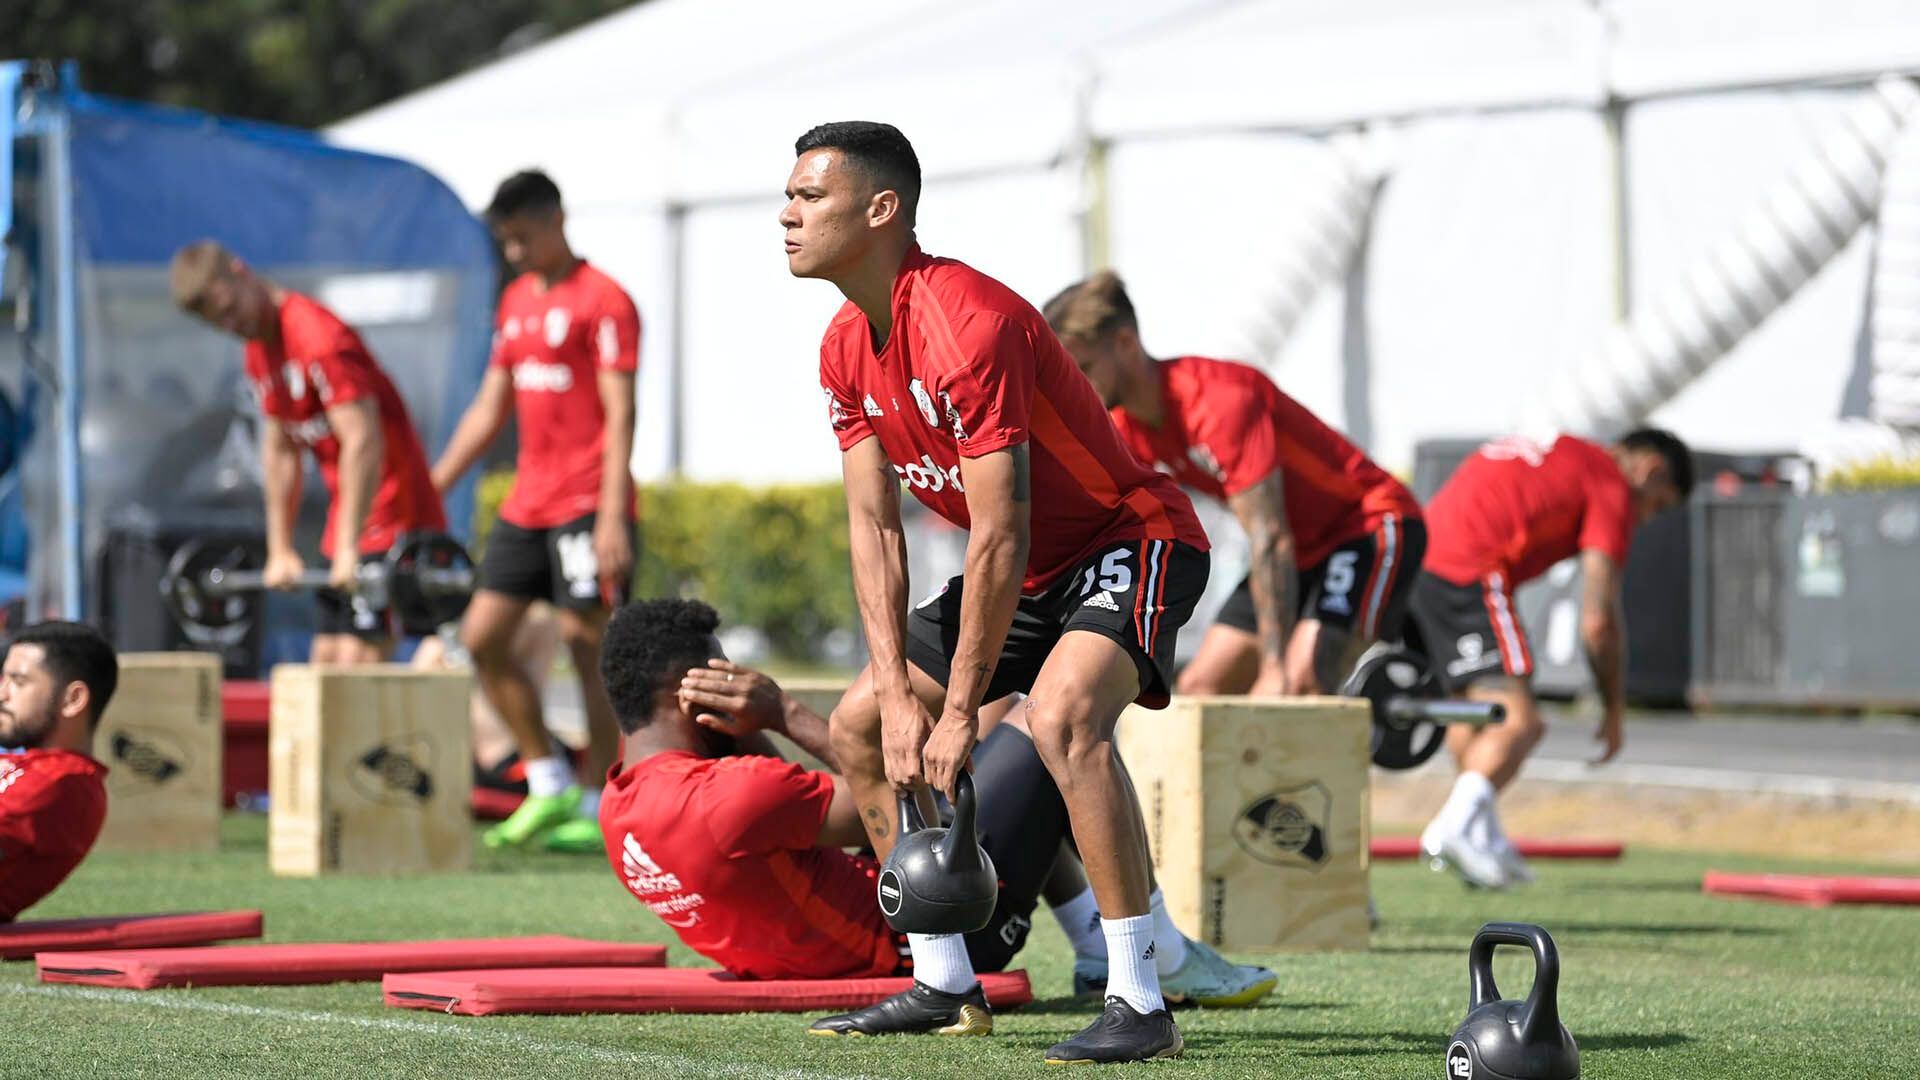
x: 163, y: 415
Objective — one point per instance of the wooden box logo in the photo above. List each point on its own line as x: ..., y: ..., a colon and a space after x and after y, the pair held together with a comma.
x: 153, y: 756
x: 396, y: 771
x: 1287, y: 827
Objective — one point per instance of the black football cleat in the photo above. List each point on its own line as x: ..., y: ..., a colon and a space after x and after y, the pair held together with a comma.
x: 1121, y: 1034
x: 921, y: 1010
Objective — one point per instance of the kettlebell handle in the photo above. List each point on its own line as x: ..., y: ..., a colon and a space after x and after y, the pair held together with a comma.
x: 910, y: 821
x: 1543, y: 1002
x: 959, y: 853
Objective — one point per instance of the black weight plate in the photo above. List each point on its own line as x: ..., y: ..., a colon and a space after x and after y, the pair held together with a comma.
x: 1389, y: 673
x: 206, y: 615
x: 421, y: 607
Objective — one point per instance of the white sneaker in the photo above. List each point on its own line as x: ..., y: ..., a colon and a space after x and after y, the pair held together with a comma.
x: 1453, y: 848
x: 1513, y: 862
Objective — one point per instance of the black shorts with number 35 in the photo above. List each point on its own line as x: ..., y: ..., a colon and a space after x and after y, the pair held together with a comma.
x: 1137, y: 593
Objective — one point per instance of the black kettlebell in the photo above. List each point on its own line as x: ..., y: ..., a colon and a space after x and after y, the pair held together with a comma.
x: 939, y: 881
x: 1513, y: 1040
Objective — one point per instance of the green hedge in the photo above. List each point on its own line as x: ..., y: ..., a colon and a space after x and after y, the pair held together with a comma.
x: 1879, y: 474
x: 769, y: 557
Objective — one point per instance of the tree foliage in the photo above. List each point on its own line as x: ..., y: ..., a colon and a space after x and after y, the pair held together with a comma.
x: 300, y: 62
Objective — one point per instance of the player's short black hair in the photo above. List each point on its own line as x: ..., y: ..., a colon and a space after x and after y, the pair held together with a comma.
x: 527, y: 192
x: 647, y: 641
x: 76, y: 652
x: 1671, y: 450
x: 879, y: 149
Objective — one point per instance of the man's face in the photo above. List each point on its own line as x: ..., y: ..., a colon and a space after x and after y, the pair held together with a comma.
x: 236, y: 301
x: 826, y: 218
x: 532, y: 242
x: 29, y: 700
x: 1653, y: 489
x: 1100, y: 363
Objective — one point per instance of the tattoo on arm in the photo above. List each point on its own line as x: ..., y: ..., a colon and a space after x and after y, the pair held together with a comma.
x: 877, y: 822
x: 1274, y: 577
x: 1022, y: 487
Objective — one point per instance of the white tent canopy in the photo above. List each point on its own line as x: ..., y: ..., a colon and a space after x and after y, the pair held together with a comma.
x: 1514, y: 220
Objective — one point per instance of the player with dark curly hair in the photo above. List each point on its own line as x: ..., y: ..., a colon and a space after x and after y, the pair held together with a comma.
x: 742, y: 853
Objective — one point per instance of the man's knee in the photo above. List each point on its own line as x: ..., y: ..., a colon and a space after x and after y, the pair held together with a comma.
x: 1066, y: 737
x: 854, y: 731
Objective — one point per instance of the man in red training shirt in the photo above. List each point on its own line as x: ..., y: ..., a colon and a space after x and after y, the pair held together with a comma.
x: 565, y: 351
x: 1333, y: 540
x: 55, y: 682
x: 1082, y: 564
x: 320, y: 390
x: 1514, y: 508
x: 742, y: 853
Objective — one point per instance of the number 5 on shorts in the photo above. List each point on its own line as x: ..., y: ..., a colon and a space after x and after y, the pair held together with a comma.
x: 1115, y: 575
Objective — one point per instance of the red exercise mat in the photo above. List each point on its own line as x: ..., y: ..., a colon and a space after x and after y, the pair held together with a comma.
x: 19, y: 941
x: 654, y: 990
x: 1532, y: 847
x: 285, y: 965
x: 1814, y: 891
x: 492, y: 804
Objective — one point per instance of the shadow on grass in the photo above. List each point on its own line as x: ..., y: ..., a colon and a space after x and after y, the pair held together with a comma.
x: 1241, y: 1045
x: 1065, y: 1006
x: 1664, y: 929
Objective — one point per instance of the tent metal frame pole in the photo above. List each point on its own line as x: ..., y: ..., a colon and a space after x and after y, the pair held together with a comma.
x: 676, y: 340
x: 67, y: 343
x: 1619, y: 206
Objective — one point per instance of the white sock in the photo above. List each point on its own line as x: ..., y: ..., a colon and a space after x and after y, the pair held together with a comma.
x: 941, y: 961
x: 1130, y: 973
x: 590, y: 803
x: 1080, y: 921
x: 1471, y: 792
x: 1169, y: 944
x: 549, y: 776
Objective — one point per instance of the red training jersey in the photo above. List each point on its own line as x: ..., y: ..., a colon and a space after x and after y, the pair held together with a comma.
x: 52, y: 804
x: 1515, y: 507
x: 1227, y: 427
x: 970, y: 368
x: 555, y: 340
x: 318, y: 363
x: 722, y: 849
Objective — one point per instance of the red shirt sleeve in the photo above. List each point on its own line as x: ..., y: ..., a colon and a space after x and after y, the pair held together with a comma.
x: 338, y: 367
x: 272, y: 405
x: 755, y: 804
x: 1235, y: 429
x: 48, y: 815
x: 846, y: 414
x: 987, y: 395
x: 497, y: 356
x: 1607, y: 523
x: 616, y: 333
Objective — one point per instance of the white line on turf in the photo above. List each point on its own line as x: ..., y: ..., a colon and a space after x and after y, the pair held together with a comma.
x: 649, y: 1059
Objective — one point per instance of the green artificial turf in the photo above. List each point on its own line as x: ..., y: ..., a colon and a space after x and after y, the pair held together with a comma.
x: 1659, y: 981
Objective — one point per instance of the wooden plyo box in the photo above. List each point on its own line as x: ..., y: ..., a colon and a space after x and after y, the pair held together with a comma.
x: 161, y: 741
x: 1256, y: 813
x: 370, y: 771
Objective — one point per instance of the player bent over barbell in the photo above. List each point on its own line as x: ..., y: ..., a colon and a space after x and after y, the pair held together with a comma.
x: 319, y: 391
x: 742, y: 853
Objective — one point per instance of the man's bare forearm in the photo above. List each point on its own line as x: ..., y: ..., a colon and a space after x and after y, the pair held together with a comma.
x: 280, y: 481
x: 359, y: 476
x: 808, y: 730
x: 616, y: 455
x: 1274, y: 580
x: 996, y: 564
x: 879, y: 551
x: 1606, y: 658
x: 477, y: 430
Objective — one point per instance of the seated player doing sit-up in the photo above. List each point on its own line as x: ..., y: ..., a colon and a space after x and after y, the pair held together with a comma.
x: 54, y: 684
x: 742, y: 853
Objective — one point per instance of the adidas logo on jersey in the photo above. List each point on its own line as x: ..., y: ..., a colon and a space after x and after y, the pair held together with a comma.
x: 1102, y: 600
x: 873, y: 407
